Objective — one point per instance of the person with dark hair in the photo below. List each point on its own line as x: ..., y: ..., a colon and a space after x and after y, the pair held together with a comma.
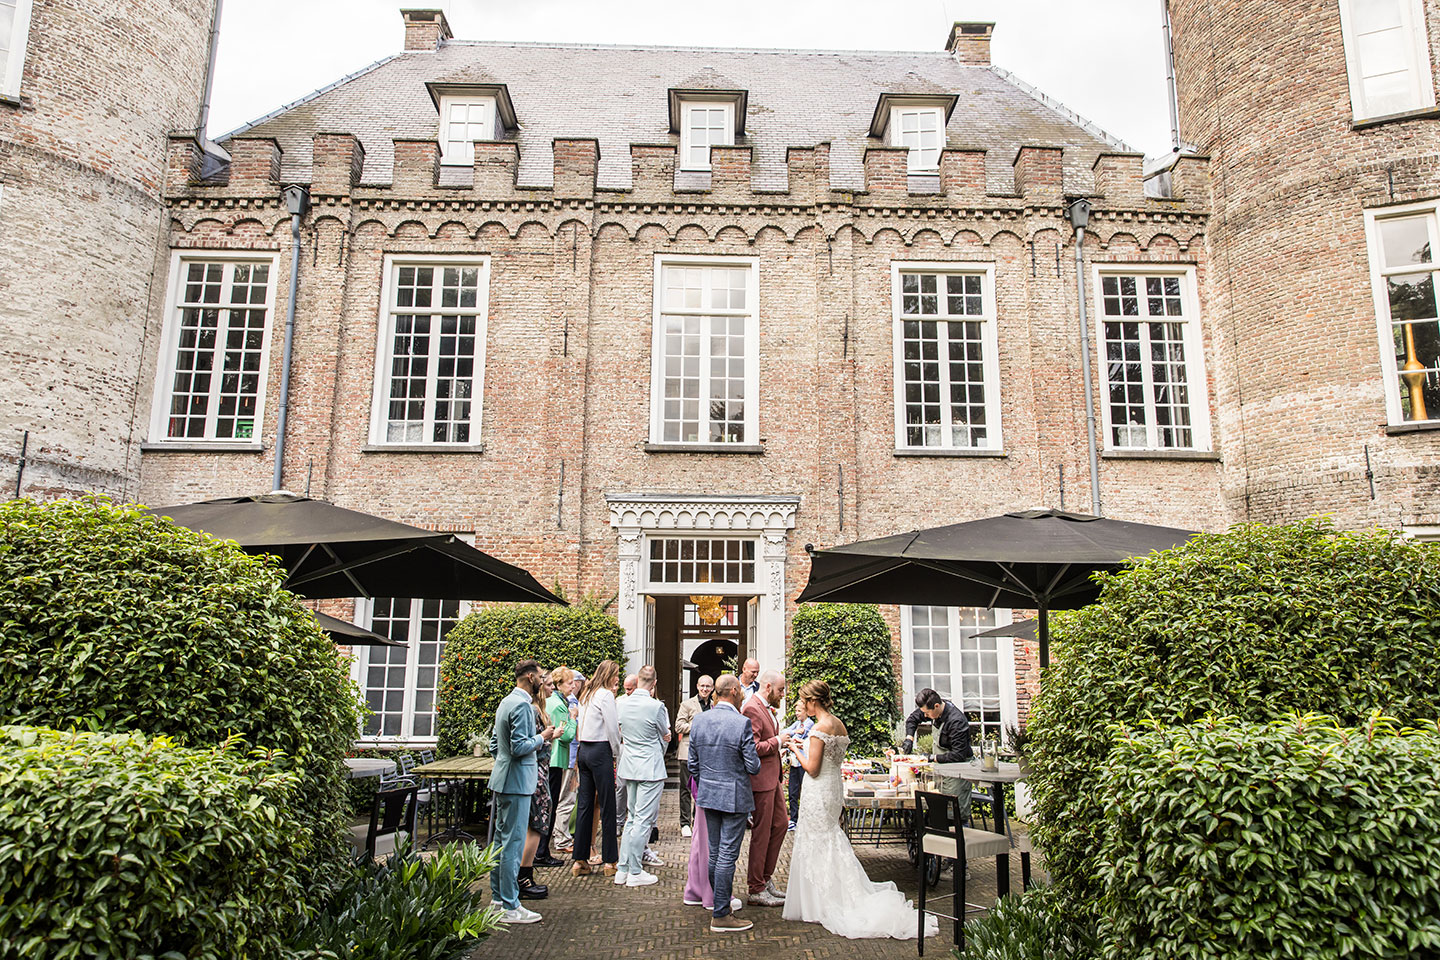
x: 951, y: 726
x: 513, y: 781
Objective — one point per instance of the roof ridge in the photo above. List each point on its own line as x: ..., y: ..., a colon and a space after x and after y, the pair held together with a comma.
x: 680, y: 48
x: 305, y: 99
x: 1089, y: 126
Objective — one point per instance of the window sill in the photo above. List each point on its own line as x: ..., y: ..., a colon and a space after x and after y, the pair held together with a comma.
x: 1420, y: 114
x: 471, y: 448
x: 751, y: 449
x: 1212, y: 456
x: 1400, y: 429
x: 396, y: 743
x: 9, y: 101
x: 198, y: 446
x: 980, y: 452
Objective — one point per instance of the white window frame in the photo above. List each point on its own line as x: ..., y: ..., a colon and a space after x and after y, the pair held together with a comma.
x: 461, y: 153
x: 1394, y: 411
x: 14, y: 66
x: 752, y: 348
x: 659, y: 587
x: 918, y: 160
x: 360, y: 665
x: 379, y: 406
x: 687, y: 108
x: 1422, y: 78
x: 1194, y: 342
x: 1004, y: 661
x: 170, y: 343
x: 989, y: 342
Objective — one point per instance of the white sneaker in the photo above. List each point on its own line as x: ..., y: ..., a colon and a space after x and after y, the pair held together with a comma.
x: 641, y: 879
x: 621, y: 877
x: 773, y: 890
x: 695, y: 903
x: 685, y: 832
x: 650, y: 859
x: 735, y: 904
x: 520, y: 915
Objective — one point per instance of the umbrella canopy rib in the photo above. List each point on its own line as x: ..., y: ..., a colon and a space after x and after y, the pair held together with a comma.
x: 346, y: 567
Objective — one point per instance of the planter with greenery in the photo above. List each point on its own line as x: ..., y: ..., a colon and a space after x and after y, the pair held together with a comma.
x: 481, y: 651
x: 848, y: 645
x: 113, y: 619
x: 1028, y: 926
x: 1253, y: 624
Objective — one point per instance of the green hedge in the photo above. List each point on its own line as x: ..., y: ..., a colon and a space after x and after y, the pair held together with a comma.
x: 1025, y: 926
x: 481, y: 651
x: 111, y: 619
x: 848, y: 646
x: 119, y: 846
x: 406, y: 907
x: 1297, y: 838
x: 1254, y: 623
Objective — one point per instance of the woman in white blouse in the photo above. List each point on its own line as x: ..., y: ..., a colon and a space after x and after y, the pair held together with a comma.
x: 599, y: 739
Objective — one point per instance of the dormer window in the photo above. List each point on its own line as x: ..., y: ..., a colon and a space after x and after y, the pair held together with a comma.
x: 705, y: 119
x: 470, y: 112
x: 463, y: 120
x: 916, y: 123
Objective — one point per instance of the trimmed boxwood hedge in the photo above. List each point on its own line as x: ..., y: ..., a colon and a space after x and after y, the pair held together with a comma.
x: 478, y: 668
x: 1254, y: 623
x: 113, y: 619
x: 120, y: 846
x: 1298, y: 838
x: 848, y: 646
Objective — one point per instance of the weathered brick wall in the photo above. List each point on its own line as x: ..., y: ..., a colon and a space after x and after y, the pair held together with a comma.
x: 568, y: 349
x: 82, y: 165
x: 1264, y: 91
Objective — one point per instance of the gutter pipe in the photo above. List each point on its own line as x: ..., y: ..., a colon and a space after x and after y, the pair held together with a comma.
x: 297, y: 201
x: 1079, y: 214
x: 202, y: 128
x: 1170, y: 77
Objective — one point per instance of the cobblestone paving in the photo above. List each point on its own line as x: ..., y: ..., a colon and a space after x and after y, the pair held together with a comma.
x: 592, y: 918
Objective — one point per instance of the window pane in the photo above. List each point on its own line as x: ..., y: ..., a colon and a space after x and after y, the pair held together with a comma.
x: 703, y: 355
x: 434, y: 358
x: 1405, y: 241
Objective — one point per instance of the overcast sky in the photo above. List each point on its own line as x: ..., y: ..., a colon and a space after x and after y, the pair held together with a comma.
x: 1104, y: 59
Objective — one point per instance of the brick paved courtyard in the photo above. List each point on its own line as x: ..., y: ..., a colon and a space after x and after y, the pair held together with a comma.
x: 591, y: 917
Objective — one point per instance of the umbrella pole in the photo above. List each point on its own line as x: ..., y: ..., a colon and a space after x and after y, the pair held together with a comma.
x: 1044, y: 635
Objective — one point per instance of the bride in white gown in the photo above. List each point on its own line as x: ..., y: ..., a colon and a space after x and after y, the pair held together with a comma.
x: 827, y: 884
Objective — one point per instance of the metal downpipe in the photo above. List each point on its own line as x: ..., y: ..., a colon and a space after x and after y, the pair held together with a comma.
x: 297, y: 199
x: 1085, y: 373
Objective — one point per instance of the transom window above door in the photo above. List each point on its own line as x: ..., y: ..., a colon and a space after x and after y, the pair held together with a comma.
x: 703, y: 376
x: 689, y: 561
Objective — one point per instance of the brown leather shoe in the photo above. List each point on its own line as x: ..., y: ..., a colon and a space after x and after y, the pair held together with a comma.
x: 581, y: 869
x: 609, y: 869
x: 729, y: 924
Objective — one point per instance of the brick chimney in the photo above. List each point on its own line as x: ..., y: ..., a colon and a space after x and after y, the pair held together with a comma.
x: 425, y: 29
x: 970, y: 41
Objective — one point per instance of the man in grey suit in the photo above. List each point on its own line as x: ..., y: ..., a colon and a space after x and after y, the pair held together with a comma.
x: 513, y: 780
x: 645, y: 729
x: 723, y: 757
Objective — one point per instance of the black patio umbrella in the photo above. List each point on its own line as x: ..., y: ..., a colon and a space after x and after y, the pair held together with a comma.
x: 1040, y: 559
x: 329, y: 551
x: 343, y: 631
x: 1020, y: 629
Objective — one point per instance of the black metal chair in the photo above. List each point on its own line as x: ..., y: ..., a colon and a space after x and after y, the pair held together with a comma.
x: 943, y: 835
x: 393, y: 815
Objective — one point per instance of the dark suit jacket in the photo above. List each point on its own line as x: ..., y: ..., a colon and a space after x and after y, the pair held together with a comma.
x: 722, y: 759
x: 952, y: 733
x: 767, y: 744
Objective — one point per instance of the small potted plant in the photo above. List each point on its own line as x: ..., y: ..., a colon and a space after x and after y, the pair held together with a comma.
x: 1018, y: 740
x: 478, y: 745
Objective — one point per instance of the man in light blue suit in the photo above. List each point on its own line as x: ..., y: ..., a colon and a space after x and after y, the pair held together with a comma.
x: 513, y: 781
x: 645, y: 729
x: 722, y: 754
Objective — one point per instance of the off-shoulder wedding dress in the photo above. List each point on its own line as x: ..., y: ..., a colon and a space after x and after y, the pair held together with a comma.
x: 827, y: 884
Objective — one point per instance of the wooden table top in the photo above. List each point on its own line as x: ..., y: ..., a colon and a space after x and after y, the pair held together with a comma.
x: 456, y: 767
x: 1005, y: 772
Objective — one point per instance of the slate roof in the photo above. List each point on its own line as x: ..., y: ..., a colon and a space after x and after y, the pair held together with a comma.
x: 618, y: 95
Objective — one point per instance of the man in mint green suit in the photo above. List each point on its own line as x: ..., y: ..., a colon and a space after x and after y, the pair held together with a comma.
x: 513, y: 781
x: 645, y: 730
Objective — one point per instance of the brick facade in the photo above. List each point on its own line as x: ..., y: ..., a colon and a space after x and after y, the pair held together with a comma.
x: 83, y: 165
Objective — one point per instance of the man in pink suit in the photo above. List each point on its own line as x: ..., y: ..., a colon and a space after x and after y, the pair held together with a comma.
x: 770, y: 817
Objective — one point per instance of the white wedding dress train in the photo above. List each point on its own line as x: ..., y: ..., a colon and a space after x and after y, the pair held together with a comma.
x: 827, y: 884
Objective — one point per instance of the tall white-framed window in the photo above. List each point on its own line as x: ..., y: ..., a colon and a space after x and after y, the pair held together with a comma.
x: 1403, y: 277
x: 941, y: 650
x: 704, y: 372
x: 947, y: 374
x: 463, y: 120
x: 704, y: 124
x: 922, y: 130
x: 14, y: 36
x: 430, y: 359
x: 1387, y: 55
x: 210, y: 384
x: 1150, y: 341
x: 399, y: 684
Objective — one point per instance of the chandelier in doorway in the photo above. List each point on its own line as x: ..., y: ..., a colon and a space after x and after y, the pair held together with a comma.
x: 708, y: 608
